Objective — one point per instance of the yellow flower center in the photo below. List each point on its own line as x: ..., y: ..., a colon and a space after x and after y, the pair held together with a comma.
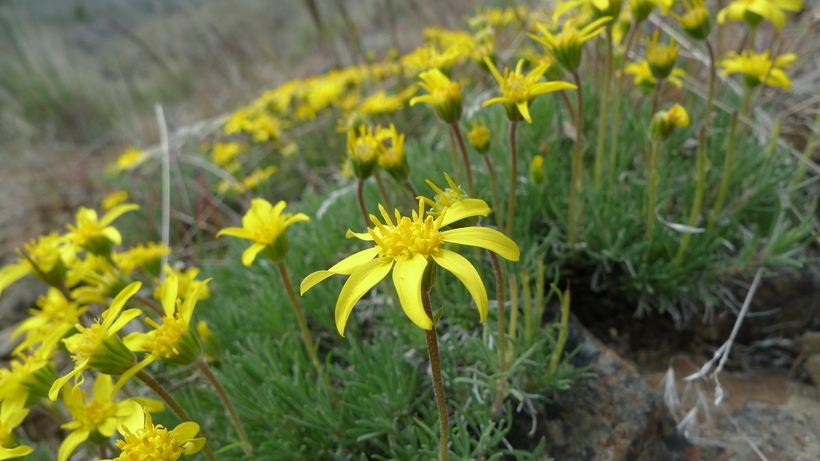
x: 479, y: 136
x: 153, y: 443
x: 516, y: 88
x: 391, y: 157
x: 92, y: 337
x: 166, y: 337
x: 409, y: 237
x: 94, y: 414
x: 364, y: 149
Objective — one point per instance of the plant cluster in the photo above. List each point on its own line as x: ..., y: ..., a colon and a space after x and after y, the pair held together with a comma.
x: 662, y: 226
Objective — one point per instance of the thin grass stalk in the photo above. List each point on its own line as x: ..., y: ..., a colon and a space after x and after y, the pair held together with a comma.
x: 577, y: 180
x: 603, y: 116
x: 438, y: 383
x: 513, y: 179
x: 727, y: 172
x: 413, y: 192
x: 383, y: 191
x: 465, y: 156
x: 166, y: 396
x: 528, y: 313
x: 540, y: 273
x: 652, y: 185
x: 778, y: 124
x: 166, y: 184
x: 810, y: 144
x: 562, y: 334
x: 513, y: 312
x: 619, y: 92
x: 226, y: 400
x: 494, y: 185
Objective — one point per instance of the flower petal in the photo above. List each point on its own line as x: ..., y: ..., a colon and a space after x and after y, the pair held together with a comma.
x: 185, y: 431
x: 236, y: 232
x: 102, y: 390
x: 343, y: 267
x: 169, y: 293
x: 113, y: 311
x: 461, y: 268
x: 464, y: 209
x: 524, y: 109
x: 71, y: 443
x: 359, y: 283
x: 250, y: 253
x: 407, y: 275
x: 484, y: 237
x: 126, y: 317
x: 115, y: 213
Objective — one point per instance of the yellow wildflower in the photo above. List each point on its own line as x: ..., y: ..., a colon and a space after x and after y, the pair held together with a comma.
x: 518, y: 90
x: 55, y: 316
x: 661, y: 58
x: 568, y: 44
x: 380, y: 103
x: 28, y: 377
x: 131, y: 158
x: 10, y: 418
x: 143, y: 440
x: 391, y: 153
x: 645, y: 79
x: 755, y: 11
x: 407, y: 248
x: 146, y: 256
x: 257, y: 176
x: 363, y: 151
x: 95, y: 235
x: 695, y: 21
x: 758, y: 68
x: 537, y: 169
x: 113, y: 199
x: 223, y: 153
x: 479, y: 136
x: 664, y: 122
x: 46, y: 258
x: 444, y: 95
x: 265, y: 225
x: 188, y: 284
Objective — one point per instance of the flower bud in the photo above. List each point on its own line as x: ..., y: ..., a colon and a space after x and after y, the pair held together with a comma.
x: 537, y: 169
x: 664, y: 123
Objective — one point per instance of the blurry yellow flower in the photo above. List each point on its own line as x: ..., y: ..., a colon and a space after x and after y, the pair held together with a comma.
x: 599, y: 7
x: 27, y: 379
x: 664, y: 122
x: 257, y: 176
x: 407, y: 248
x: 146, y: 256
x: 46, y: 258
x: 10, y: 418
x: 758, y: 68
x: 380, y: 103
x: 695, y: 21
x: 429, y: 57
x: 188, y: 284
x: 518, y: 90
x: 645, y: 79
x: 143, y: 440
x: 537, y: 169
x: 229, y: 186
x: 642, y: 8
x: 101, y: 279
x: 113, y: 199
x: 391, y: 153
x: 265, y: 225
x: 479, y: 136
x: 444, y: 95
x: 131, y: 158
x: 55, y: 316
x: 661, y: 58
x: 95, y: 235
x: 755, y: 11
x: 363, y: 151
x: 223, y: 153
x: 568, y: 44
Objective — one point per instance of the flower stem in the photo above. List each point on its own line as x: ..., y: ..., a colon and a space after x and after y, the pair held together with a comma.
x: 652, y: 185
x: 383, y: 191
x: 360, y: 198
x: 494, y: 186
x: 502, y: 333
x: 727, y: 173
x: 226, y: 400
x: 616, y: 119
x: 300, y: 316
x: 438, y: 384
x: 166, y: 396
x: 604, y: 115
x: 513, y: 179
x: 149, y: 303
x: 464, y: 156
x: 454, y: 154
x: 577, y: 180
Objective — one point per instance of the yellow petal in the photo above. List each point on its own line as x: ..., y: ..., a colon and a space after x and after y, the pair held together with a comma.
x: 494, y: 71
x: 250, y: 253
x: 494, y: 100
x: 465, y: 209
x: 185, y: 431
x: 193, y: 446
x: 343, y: 267
x: 359, y: 283
x: 71, y: 443
x: 236, y: 232
x: 407, y: 275
x: 484, y: 237
x: 525, y: 111
x: 16, y: 452
x: 12, y: 273
x: 102, y: 390
x: 111, y: 233
x: 169, y: 293
x: 112, y: 312
x: 123, y: 320
x: 461, y: 268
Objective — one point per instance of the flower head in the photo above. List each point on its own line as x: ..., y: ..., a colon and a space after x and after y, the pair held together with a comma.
x: 188, y: 284
x: 363, y: 151
x: 258, y: 176
x: 444, y: 95
x: 661, y: 58
x: 645, y: 79
x: 10, y: 418
x: 568, y: 44
x: 664, y: 122
x: 537, y: 169
x: 223, y: 153
x: 695, y: 21
x: 46, y: 258
x: 755, y: 11
x: 265, y: 224
x: 518, y: 90
x: 643, y: 8
x: 391, y: 153
x: 113, y: 199
x: 131, y: 158
x: 146, y: 256
x: 145, y: 441
x: 479, y: 136
x: 758, y: 68
x: 55, y: 316
x: 407, y: 246
x: 94, y: 234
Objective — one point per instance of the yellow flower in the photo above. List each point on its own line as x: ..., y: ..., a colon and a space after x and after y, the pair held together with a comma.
x: 10, y: 418
x: 265, y: 225
x: 391, y: 153
x: 661, y: 58
x: 537, y: 169
x: 754, y: 11
x: 55, y: 316
x: 407, y: 247
x: 96, y: 418
x: 566, y: 46
x: 645, y: 79
x: 145, y: 256
x: 113, y: 199
x: 223, y: 153
x: 131, y: 158
x: 95, y: 235
x: 445, y: 96
x: 479, y: 136
x: 380, y: 103
x: 28, y: 377
x: 46, y: 258
x: 188, y: 285
x: 173, y: 341
x: 446, y: 198
x: 143, y: 440
x: 518, y: 90
x: 429, y: 57
x: 257, y: 176
x: 597, y: 7
x: 98, y: 345
x: 758, y: 68
x: 363, y: 151
x: 642, y: 8
x: 695, y: 21
x: 664, y: 122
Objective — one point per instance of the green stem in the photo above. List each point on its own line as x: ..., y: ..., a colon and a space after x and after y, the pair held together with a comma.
x: 577, y: 181
x: 513, y: 179
x: 226, y: 400
x: 801, y: 169
x: 562, y: 335
x: 604, y: 115
x: 360, y: 198
x: 383, y: 191
x: 616, y: 119
x: 454, y: 154
x: 166, y: 396
x: 464, y: 156
x: 727, y: 173
x: 438, y: 384
x: 652, y: 185
x: 528, y: 312
x: 502, y: 332
x: 300, y: 316
x: 494, y: 186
